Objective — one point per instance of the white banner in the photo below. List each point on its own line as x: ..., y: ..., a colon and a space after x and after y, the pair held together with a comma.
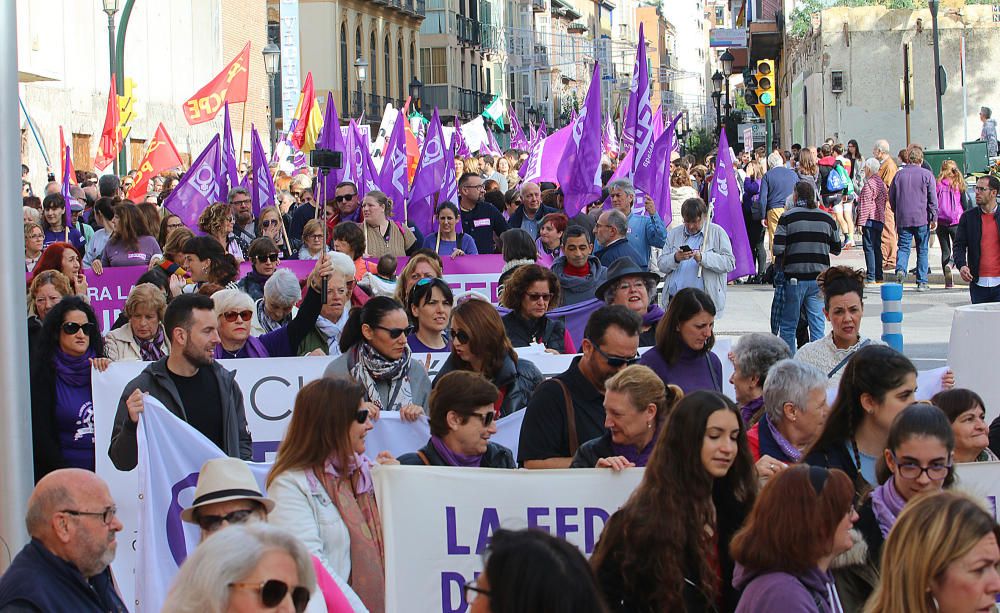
x: 980, y: 479
x: 436, y: 522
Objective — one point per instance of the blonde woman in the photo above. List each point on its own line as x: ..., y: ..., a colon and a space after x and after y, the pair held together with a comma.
x: 143, y: 337
x: 808, y: 170
x: 382, y: 234
x: 950, y: 187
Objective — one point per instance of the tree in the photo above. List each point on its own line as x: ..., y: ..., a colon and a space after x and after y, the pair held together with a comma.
x: 702, y: 142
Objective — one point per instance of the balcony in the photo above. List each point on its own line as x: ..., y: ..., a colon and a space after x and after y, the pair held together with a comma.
x: 467, y: 30
x: 396, y: 4
x: 468, y: 102
x: 540, y: 6
x: 379, y: 2
x: 421, y: 8
x: 374, y: 108
x: 541, y: 56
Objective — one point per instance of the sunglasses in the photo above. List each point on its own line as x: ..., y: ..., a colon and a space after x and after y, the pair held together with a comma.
x: 460, y: 335
x: 267, y: 223
x: 232, y: 316
x: 345, y: 198
x: 362, y: 416
x: 395, y: 333
x: 273, y: 591
x: 616, y: 361
x: 271, y: 257
x: 487, y: 418
x: 71, y: 328
x: 211, y: 523
x: 532, y: 296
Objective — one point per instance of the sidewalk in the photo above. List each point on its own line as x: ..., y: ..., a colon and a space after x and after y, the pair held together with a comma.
x: 855, y: 258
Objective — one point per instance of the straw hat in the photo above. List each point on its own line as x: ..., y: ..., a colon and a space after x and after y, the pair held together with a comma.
x: 222, y: 480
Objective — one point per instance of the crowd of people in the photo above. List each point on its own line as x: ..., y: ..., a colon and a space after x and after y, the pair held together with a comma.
x: 717, y: 521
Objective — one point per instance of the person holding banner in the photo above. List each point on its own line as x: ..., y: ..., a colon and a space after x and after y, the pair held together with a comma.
x: 462, y: 420
x: 480, y: 344
x: 143, y: 337
x: 326, y: 495
x: 264, y: 257
x: 668, y: 547
x: 54, y: 223
x: 430, y: 306
x: 421, y: 265
x: 637, y: 404
x: 376, y: 354
x: 530, y: 293
x: 944, y: 554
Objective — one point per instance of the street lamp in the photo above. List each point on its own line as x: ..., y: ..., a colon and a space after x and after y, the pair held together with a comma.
x: 111, y: 8
x: 272, y: 55
x: 416, y: 91
x: 361, y: 70
x: 726, y: 59
x: 717, y: 79
x: 716, y: 99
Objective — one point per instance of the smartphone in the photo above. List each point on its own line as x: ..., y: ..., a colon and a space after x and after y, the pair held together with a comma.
x: 685, y: 248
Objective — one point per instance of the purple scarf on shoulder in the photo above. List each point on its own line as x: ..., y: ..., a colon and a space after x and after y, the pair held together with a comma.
x: 253, y: 349
x: 453, y: 458
x: 887, y: 503
x: 653, y: 315
x: 74, y: 371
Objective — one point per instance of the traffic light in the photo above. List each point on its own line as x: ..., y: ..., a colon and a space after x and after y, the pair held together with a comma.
x: 750, y: 86
x: 766, y: 94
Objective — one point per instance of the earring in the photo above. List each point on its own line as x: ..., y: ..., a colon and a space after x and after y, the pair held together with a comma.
x: 649, y: 425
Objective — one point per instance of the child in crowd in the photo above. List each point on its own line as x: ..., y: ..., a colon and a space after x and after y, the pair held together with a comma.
x: 383, y: 281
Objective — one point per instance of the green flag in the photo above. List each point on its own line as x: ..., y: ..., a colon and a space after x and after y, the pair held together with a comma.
x: 496, y: 111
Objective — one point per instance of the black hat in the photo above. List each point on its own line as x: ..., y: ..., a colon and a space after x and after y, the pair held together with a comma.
x: 623, y: 267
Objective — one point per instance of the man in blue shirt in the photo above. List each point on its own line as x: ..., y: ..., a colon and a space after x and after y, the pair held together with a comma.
x: 645, y: 229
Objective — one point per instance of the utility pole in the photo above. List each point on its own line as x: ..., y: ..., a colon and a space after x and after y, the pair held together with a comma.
x: 938, y: 72
x: 907, y: 80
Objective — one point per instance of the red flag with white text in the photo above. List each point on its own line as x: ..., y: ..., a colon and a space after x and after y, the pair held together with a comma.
x: 230, y: 85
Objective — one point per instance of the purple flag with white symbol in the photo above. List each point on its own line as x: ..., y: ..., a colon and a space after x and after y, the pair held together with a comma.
x: 392, y: 179
x: 727, y: 211
x: 262, y: 188
x: 461, y: 147
x: 639, y: 121
x: 494, y: 146
x: 610, y: 137
x: 198, y: 188
x: 542, y: 132
x: 229, y: 178
x: 580, y: 167
x: 517, y: 138
x: 430, y: 177
x: 572, y: 116
x: 543, y: 159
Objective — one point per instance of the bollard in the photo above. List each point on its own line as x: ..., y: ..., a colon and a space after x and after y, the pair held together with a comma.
x: 892, y: 315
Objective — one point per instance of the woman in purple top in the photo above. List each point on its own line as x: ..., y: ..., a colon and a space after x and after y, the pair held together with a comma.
x: 131, y: 243
x: 429, y: 304
x: 62, y: 408
x: 685, y: 336
x: 446, y: 241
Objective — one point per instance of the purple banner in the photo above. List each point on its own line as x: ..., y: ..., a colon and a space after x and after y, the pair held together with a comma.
x: 727, y: 212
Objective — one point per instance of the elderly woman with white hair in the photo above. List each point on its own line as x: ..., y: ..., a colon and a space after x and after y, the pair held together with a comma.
x: 281, y: 293
x: 752, y: 356
x: 795, y: 411
x: 324, y: 338
x: 142, y: 337
x: 254, y: 567
x: 235, y: 310
x: 872, y: 201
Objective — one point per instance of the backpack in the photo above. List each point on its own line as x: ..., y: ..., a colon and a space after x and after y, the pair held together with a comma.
x: 835, y: 181
x: 847, y: 179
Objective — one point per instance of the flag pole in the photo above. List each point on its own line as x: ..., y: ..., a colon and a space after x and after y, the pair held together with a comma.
x: 704, y: 238
x: 243, y: 128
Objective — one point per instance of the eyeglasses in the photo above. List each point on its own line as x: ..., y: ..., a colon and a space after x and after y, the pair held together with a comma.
x: 174, y: 226
x: 107, y: 515
x: 424, y: 281
x: 980, y: 188
x: 533, y: 297
x: 271, y: 257
x: 36, y: 236
x: 615, y: 361
x: 295, y: 194
x: 362, y: 416
x: 231, y: 316
x: 71, y: 328
x: 273, y: 591
x: 487, y: 418
x: 472, y: 591
x: 480, y: 186
x: 630, y: 286
x: 346, y: 198
x: 395, y: 333
x: 309, y: 237
x: 211, y: 523
x: 239, y: 202
x: 461, y: 336
x: 267, y: 223
x: 935, y: 472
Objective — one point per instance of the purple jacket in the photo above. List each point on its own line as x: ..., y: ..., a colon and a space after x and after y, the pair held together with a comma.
x: 913, y: 197
x: 812, y: 592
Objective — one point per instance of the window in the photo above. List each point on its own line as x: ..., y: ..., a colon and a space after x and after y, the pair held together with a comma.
x: 400, y: 84
x: 434, y: 65
x: 388, y: 72
x: 344, y: 104
x: 373, y: 65
x: 475, y: 78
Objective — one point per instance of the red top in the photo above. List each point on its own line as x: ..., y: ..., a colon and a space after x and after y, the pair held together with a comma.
x: 575, y: 271
x: 989, y: 260
x: 753, y: 438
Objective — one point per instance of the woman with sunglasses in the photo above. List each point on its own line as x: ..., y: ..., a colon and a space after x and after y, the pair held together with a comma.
x: 322, y: 486
x: 917, y: 460
x: 446, y: 242
x: 264, y: 257
x: 47, y: 289
x: 430, y: 307
x: 684, y: 340
x: 376, y: 354
x: 269, y: 224
x: 462, y: 420
x: 235, y: 310
x: 480, y: 344
x: 529, y: 293
x: 54, y: 223
x: 62, y: 408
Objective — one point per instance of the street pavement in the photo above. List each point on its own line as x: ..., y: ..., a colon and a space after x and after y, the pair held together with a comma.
x: 927, y: 316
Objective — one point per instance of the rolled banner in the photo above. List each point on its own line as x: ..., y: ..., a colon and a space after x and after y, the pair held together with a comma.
x: 892, y: 315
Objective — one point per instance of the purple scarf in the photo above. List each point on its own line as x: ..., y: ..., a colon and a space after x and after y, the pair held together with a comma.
x: 150, y: 350
x: 787, y: 448
x: 453, y: 458
x: 74, y: 371
x: 359, y: 463
x: 253, y: 348
x: 653, y: 314
x: 887, y: 503
x: 633, y: 455
x: 750, y: 409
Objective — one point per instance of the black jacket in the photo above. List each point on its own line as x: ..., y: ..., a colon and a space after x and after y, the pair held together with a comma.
x: 47, y: 454
x: 593, y: 450
x: 155, y: 380
x: 518, y: 217
x: 969, y: 238
x: 496, y: 456
x: 522, y: 332
x: 837, y: 456
x: 520, y: 379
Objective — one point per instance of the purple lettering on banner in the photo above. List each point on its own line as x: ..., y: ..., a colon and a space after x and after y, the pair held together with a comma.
x: 447, y: 580
x: 174, y: 527
x: 262, y: 448
x: 454, y: 549
x: 489, y: 524
x: 533, y: 514
x: 590, y: 530
x: 562, y: 527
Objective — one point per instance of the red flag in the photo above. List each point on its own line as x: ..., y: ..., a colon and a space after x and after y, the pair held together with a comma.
x: 111, y: 142
x: 304, y: 112
x: 62, y: 159
x: 230, y: 85
x: 160, y: 155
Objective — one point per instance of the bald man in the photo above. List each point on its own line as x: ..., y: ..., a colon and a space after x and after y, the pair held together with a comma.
x: 529, y: 215
x: 72, y: 523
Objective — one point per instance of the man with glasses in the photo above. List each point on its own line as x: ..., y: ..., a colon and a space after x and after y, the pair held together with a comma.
x: 72, y: 523
x: 611, y: 232
x: 482, y: 221
x: 243, y: 228
x: 977, y: 244
x: 189, y: 383
x: 568, y: 409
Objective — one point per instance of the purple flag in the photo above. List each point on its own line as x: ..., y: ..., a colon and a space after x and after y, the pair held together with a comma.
x: 67, y: 164
x: 532, y: 133
x: 657, y: 124
x: 543, y: 160
x: 517, y: 139
x: 430, y: 177
x: 198, y: 188
x: 262, y: 189
x: 639, y: 121
x: 572, y: 114
x: 392, y: 179
x: 331, y: 138
x: 461, y: 147
x: 493, y: 144
x: 368, y: 176
x: 726, y: 211
x: 610, y: 138
x: 541, y: 133
x: 659, y: 170
x: 580, y: 167
x: 229, y: 178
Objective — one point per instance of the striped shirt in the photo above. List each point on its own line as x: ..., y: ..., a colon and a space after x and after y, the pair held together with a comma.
x: 804, y: 240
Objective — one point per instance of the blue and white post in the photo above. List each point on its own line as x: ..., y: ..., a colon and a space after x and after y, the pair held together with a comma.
x: 892, y: 315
